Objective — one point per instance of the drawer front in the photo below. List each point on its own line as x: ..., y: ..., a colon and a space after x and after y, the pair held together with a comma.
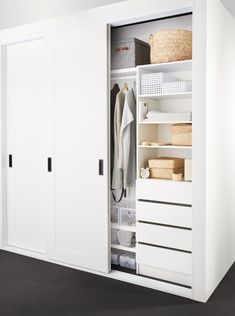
x: 164, y: 214
x: 164, y: 191
x: 165, y: 275
x: 171, y: 260
x: 164, y: 236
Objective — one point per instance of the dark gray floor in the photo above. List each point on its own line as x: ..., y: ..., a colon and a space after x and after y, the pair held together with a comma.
x: 30, y: 287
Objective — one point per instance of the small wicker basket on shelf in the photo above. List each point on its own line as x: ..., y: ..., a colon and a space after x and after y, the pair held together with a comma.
x: 171, y: 45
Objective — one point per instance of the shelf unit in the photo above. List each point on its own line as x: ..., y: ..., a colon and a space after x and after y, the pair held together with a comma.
x: 126, y: 73
x: 124, y: 227
x: 163, y: 123
x: 181, y: 95
x: 153, y: 180
x: 154, y: 131
x: 119, y: 247
x: 184, y: 65
x: 166, y: 147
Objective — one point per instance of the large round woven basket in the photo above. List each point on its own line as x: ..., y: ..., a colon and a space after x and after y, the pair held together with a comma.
x: 171, y: 45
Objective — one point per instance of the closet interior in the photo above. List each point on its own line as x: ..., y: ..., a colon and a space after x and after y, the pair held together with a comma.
x: 150, y: 118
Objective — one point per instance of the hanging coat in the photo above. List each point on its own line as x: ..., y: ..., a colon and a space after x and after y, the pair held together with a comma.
x: 113, y: 96
x: 127, y: 146
x: 117, y: 179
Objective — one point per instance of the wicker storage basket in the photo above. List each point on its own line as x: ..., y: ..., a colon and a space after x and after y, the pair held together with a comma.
x: 166, y: 162
x: 171, y: 45
x: 166, y: 174
x: 165, y: 167
x: 181, y: 134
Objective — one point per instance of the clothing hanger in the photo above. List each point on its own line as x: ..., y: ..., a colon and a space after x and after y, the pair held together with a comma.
x: 125, y: 87
x: 115, y: 85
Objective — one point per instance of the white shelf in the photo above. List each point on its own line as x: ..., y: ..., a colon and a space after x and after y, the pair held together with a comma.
x: 126, y: 72
x: 185, y: 65
x: 122, y: 227
x: 167, y: 147
x: 161, y: 123
x: 130, y: 249
x: 181, y: 95
x: 163, y: 180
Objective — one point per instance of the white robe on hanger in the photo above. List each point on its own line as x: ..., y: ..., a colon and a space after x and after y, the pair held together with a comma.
x: 117, y: 179
x: 127, y: 147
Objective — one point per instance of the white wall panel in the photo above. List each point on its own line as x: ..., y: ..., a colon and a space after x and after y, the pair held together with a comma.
x: 220, y: 131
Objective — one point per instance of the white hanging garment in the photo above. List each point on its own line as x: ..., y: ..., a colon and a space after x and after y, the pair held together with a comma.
x: 117, y: 180
x: 127, y: 146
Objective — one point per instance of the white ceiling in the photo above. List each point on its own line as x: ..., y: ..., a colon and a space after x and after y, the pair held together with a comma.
x: 18, y: 12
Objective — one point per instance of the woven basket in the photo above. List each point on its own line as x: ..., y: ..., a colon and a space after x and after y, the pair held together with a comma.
x: 171, y: 45
x: 167, y: 173
x: 181, y: 134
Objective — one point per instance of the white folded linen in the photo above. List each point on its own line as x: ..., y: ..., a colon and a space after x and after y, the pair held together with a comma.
x: 168, y: 116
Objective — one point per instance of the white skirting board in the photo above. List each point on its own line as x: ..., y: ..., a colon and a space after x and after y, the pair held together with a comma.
x: 117, y: 275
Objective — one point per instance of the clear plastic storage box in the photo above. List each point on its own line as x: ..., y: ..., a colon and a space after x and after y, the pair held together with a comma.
x: 115, y: 215
x: 115, y: 254
x: 127, y: 216
x: 127, y: 260
x: 114, y: 238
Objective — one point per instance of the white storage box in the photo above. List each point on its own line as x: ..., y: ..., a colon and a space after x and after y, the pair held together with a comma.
x: 188, y: 169
x: 115, y: 215
x: 127, y: 261
x: 152, y: 83
x: 177, y: 87
x: 151, y: 89
x: 127, y: 217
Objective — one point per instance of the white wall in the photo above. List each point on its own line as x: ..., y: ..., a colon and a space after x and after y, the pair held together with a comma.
x: 230, y: 5
x: 220, y: 131
x: 18, y: 12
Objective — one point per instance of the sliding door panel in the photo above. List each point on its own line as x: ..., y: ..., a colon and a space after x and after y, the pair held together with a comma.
x: 79, y: 233
x: 29, y: 143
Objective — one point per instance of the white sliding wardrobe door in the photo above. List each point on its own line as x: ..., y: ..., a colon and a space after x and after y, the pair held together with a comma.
x: 80, y: 221
x: 29, y: 142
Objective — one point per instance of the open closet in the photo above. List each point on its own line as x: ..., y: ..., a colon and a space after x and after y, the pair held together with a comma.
x: 151, y: 219
x: 117, y: 135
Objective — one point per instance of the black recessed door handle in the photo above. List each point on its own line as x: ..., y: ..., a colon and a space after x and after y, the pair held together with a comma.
x: 101, y: 167
x: 10, y: 161
x: 49, y: 164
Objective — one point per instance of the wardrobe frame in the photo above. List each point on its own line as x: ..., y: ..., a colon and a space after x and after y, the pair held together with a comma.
x: 122, y: 14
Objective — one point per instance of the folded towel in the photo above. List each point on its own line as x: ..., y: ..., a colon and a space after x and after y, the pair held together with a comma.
x: 166, y: 116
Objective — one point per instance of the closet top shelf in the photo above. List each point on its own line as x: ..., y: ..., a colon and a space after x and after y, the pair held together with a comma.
x: 179, y: 95
x: 126, y: 72
x: 184, y: 65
